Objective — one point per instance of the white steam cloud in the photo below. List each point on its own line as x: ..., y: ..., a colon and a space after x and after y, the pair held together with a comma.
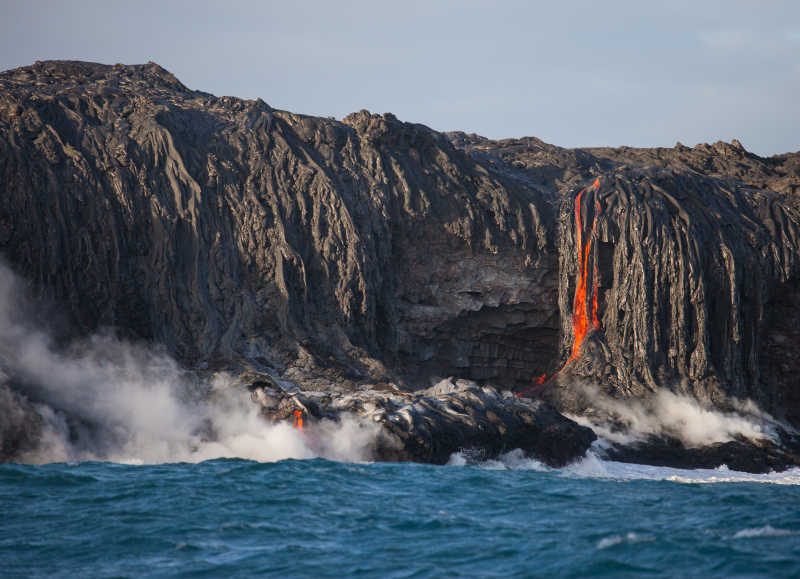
x: 678, y: 416
x: 105, y: 399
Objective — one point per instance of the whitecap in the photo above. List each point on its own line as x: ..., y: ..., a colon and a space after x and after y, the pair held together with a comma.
x: 765, y: 531
x: 628, y: 538
x: 593, y: 466
x: 457, y: 459
x: 513, y: 460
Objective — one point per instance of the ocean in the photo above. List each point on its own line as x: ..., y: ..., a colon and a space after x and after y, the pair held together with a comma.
x: 321, y: 518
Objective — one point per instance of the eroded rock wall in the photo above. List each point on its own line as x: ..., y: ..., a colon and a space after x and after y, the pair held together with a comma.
x: 382, y: 251
x: 226, y: 229
x: 687, y: 275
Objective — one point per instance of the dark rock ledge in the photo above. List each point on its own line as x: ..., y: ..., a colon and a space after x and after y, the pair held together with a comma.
x: 431, y: 425
x: 744, y: 455
x: 482, y: 423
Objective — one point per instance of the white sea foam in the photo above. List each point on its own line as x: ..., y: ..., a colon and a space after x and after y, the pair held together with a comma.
x: 592, y: 466
x: 765, y: 531
x: 457, y: 459
x: 628, y: 538
x: 513, y: 460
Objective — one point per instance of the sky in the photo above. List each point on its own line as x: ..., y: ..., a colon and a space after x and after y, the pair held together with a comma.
x: 574, y: 73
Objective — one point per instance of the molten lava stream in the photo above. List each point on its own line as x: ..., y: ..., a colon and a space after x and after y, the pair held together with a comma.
x: 580, y: 317
x: 581, y: 322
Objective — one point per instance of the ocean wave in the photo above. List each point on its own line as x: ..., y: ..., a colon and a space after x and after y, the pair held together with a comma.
x: 765, y: 531
x: 592, y: 466
x: 513, y: 460
x: 628, y: 538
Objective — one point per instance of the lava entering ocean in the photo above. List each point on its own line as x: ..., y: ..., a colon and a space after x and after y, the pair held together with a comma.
x: 298, y: 420
x: 584, y: 317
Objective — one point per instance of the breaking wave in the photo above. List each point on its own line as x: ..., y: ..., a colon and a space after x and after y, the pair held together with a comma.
x: 765, y: 531
x: 594, y: 467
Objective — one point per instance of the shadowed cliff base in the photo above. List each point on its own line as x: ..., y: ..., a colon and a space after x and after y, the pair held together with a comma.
x: 371, y: 253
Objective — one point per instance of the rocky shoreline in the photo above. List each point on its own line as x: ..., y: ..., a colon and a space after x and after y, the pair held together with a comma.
x: 480, y: 423
x: 433, y: 424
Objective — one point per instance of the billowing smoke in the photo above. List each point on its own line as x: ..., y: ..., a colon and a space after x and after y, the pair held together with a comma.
x: 674, y: 415
x: 106, y: 399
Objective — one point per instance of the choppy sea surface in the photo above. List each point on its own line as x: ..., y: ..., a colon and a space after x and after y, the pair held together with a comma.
x: 511, y: 517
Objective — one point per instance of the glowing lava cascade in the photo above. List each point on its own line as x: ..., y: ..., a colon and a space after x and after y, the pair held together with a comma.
x: 584, y: 315
x: 581, y: 320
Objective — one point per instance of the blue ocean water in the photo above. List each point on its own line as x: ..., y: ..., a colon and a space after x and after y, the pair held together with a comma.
x: 232, y: 517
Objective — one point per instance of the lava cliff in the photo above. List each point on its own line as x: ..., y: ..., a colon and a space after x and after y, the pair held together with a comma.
x: 373, y: 251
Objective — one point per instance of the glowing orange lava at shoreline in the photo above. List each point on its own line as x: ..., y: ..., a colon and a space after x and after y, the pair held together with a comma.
x: 583, y: 319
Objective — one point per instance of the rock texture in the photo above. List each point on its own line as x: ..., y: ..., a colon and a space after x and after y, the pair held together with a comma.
x: 696, y: 269
x: 373, y: 251
x: 453, y: 416
x: 223, y: 228
x: 742, y: 455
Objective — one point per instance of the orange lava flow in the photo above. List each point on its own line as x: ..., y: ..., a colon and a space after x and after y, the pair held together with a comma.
x: 298, y: 420
x: 581, y: 322
x: 595, y: 321
x: 584, y: 316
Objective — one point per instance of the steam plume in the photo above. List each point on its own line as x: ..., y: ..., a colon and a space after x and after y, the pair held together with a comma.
x: 106, y: 399
x: 675, y: 415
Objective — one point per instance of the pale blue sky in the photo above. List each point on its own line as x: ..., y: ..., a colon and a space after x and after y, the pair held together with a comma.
x: 572, y: 73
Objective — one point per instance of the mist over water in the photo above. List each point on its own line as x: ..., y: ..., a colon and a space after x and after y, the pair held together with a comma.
x: 106, y: 399
x: 680, y: 416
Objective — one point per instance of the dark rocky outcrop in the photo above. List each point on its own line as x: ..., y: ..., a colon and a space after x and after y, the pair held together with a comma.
x: 742, y: 455
x: 373, y: 251
x: 433, y: 424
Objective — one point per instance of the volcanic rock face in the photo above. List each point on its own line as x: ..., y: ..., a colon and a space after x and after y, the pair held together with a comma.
x: 694, y: 275
x: 687, y: 271
x: 222, y: 228
x: 376, y: 251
